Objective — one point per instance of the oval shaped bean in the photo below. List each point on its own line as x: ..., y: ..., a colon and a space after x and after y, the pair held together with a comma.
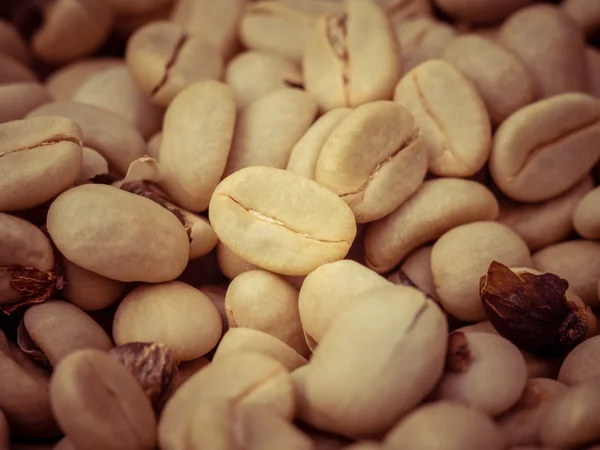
x: 372, y: 339
x: 174, y: 313
x: 435, y: 208
x: 586, y: 13
x: 454, y: 426
x: 98, y: 403
x: 249, y: 378
x: 544, y: 223
x: 201, y: 116
x: 260, y: 213
x: 240, y: 340
x: 163, y: 59
x: 586, y: 218
x: 65, y: 81
x: 374, y: 159
x: 118, y: 235
x: 113, y: 90
x: 551, y: 47
x: 292, y: 22
x: 263, y: 301
x: 215, y: 21
x: 422, y: 39
x: 472, y: 359
x: 267, y: 130
x: 18, y: 99
x: 112, y: 136
x: 24, y: 245
x: 39, y: 159
x: 88, y: 290
x: 56, y: 42
x: 462, y: 256
x: 451, y: 114
x: 574, y: 419
x: 546, y: 147
x: 578, y: 262
x: 582, y: 363
x: 59, y: 328
x: 499, y: 76
x: 92, y: 165
x: 363, y: 35
x: 520, y: 424
x: 305, y: 154
x: 331, y: 289
x: 254, y: 74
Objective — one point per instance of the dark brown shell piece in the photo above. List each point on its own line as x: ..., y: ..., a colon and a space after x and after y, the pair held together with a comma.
x: 32, y: 285
x: 532, y: 311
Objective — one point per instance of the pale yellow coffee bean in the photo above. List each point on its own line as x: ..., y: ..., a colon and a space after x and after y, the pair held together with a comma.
x: 592, y: 57
x: 550, y: 45
x: 451, y: 115
x: 422, y: 39
x: 481, y: 10
x: 586, y: 219
x: 248, y: 378
x: 113, y: 90
x: 445, y: 426
x: 216, y: 293
x: 264, y: 301
x: 213, y: 20
x: 331, y: 289
x: 228, y: 425
x: 13, y: 70
x: 88, y: 290
x: 582, y: 363
x: 197, y: 135
x: 417, y: 269
x: 267, y: 130
x: 60, y: 328
x: 93, y: 164
x: 153, y: 145
x: 18, y: 99
x: 574, y: 419
x: 230, y: 264
x: 64, y: 82
x: 12, y: 43
x: 547, y: 147
x: 115, y: 138
x: 544, y: 223
x: 254, y: 74
x: 472, y: 359
x: 372, y: 339
x: 126, y: 25
x: 164, y: 59
x: 99, y: 404
x: 39, y: 158
x: 71, y: 30
x: 578, y: 262
x: 291, y: 21
x: 462, y: 256
x: 363, y: 35
x: 437, y: 207
x: 204, y: 238
x: 23, y: 244
x: 498, y: 75
x: 117, y: 234
x: 240, y: 340
x: 586, y: 13
x: 305, y: 154
x: 374, y: 159
x: 174, y: 313
x: 261, y: 214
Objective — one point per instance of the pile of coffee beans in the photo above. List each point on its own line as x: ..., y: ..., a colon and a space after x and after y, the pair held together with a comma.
x: 299, y: 225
